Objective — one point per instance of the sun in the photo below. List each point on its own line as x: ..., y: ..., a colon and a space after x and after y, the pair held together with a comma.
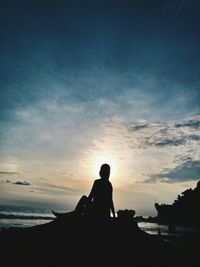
x: 98, y: 161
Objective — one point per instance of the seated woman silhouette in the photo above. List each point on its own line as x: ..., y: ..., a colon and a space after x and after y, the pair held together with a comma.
x: 99, y: 203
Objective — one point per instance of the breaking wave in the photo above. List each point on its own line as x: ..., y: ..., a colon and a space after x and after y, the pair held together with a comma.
x: 25, y: 217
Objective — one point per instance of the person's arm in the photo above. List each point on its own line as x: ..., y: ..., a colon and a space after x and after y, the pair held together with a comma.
x: 91, y: 195
x: 113, y: 209
x: 112, y: 204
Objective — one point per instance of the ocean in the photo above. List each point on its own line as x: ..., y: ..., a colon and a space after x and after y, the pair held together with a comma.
x: 14, y: 216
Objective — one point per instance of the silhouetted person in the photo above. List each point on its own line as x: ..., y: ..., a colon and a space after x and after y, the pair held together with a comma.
x: 99, y: 203
x: 101, y: 195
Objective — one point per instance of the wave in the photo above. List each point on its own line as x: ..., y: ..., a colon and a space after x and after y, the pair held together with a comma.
x: 24, y: 217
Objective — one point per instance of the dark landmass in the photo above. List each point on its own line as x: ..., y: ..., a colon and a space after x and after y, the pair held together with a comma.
x: 77, y: 240
x: 185, y: 210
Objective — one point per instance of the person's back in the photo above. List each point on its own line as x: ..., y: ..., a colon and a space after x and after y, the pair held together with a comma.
x: 102, y: 197
x: 101, y: 194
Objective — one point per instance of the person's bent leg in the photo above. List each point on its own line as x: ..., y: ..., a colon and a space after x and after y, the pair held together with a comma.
x: 81, y: 205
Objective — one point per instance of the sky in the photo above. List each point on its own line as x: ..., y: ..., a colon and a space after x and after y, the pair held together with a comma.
x: 88, y: 82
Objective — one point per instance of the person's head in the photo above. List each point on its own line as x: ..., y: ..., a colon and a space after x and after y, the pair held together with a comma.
x: 104, y: 171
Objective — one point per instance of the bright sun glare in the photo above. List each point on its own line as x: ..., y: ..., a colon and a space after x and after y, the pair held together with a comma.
x: 103, y: 159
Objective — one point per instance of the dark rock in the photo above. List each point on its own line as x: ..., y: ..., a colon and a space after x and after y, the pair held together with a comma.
x: 82, y: 241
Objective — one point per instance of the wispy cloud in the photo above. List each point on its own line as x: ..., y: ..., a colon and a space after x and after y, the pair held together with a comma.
x: 22, y: 183
x: 187, y: 171
x: 138, y: 127
x: 191, y: 123
x: 8, y: 173
x: 15, y: 183
x: 166, y: 134
x: 164, y: 151
x: 5, y: 181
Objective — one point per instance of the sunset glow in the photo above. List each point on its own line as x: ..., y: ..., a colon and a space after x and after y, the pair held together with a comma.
x: 102, y: 160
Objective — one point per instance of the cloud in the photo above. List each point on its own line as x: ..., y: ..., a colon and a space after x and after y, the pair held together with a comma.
x: 9, y: 173
x: 187, y: 171
x: 21, y: 183
x: 167, y: 142
x: 192, y: 123
x: 165, y: 134
x: 135, y: 128
x: 16, y: 183
x: 5, y: 181
x: 194, y: 137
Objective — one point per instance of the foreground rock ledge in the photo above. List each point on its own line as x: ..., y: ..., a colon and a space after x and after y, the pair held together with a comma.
x: 82, y: 241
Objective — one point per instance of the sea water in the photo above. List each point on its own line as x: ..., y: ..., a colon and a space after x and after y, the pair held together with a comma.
x: 13, y: 216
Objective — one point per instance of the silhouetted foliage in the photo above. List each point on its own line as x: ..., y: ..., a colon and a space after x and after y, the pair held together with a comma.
x: 184, y: 210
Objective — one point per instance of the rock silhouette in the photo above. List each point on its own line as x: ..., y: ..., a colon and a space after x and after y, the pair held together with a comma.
x: 81, y: 241
x: 184, y: 210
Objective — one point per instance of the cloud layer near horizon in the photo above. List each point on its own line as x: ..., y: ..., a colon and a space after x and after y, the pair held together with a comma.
x: 57, y: 143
